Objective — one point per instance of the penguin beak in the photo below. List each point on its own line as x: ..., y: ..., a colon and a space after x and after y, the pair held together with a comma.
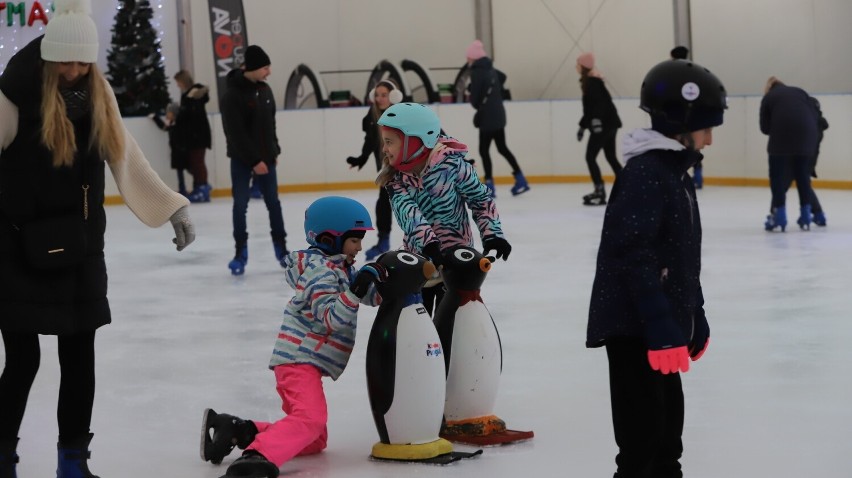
x: 429, y: 270
x: 485, y: 263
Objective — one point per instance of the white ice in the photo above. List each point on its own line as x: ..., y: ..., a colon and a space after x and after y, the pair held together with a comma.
x: 771, y: 398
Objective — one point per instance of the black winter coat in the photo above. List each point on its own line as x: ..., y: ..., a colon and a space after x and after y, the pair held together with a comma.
x: 248, y: 118
x: 649, y: 261
x: 788, y: 115
x: 372, y: 141
x: 192, y: 128
x: 54, y: 301
x: 598, y: 105
x: 489, y: 106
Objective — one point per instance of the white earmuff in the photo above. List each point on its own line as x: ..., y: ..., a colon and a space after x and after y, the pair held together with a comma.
x: 395, y: 96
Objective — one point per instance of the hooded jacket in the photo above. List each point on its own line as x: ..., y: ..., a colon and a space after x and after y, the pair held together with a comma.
x: 598, y: 108
x: 432, y: 206
x: 320, y: 320
x: 192, y: 128
x: 248, y: 119
x: 488, y: 105
x: 649, y: 260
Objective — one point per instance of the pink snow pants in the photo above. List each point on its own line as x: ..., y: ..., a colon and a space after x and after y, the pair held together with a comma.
x: 303, y: 431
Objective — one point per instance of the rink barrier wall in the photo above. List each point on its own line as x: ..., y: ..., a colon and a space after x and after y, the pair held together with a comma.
x: 541, y: 134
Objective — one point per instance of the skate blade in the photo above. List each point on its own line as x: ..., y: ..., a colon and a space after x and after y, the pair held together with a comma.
x: 205, y: 432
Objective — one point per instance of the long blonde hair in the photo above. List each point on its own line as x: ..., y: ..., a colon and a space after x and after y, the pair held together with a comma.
x: 57, y: 133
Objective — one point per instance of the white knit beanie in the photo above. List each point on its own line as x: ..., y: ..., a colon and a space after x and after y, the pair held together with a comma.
x: 71, y: 35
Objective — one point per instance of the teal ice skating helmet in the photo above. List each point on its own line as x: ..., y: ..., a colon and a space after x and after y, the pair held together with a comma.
x: 413, y: 120
x: 329, y: 221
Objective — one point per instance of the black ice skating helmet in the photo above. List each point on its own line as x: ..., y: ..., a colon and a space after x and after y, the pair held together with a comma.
x: 330, y: 220
x: 682, y: 96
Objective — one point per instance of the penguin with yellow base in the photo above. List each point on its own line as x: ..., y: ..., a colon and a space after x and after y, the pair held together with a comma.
x: 405, y: 368
x: 472, y: 353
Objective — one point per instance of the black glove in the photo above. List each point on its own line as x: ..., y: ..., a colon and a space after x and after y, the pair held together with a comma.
x: 357, y: 161
x: 498, y: 244
x: 371, y: 272
x: 580, y: 134
x: 432, y: 251
x: 700, y: 335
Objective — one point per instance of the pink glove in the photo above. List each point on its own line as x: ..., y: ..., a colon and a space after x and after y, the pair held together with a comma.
x: 697, y: 355
x: 670, y: 360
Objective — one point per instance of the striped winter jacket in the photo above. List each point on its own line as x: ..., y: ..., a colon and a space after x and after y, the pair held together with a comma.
x: 320, y: 320
x: 432, y: 206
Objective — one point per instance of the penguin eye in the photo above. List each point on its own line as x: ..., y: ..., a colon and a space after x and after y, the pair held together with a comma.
x: 464, y: 255
x: 407, y: 258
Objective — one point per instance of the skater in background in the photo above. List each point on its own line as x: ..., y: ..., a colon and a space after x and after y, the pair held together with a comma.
x: 486, y: 97
x: 248, y: 119
x: 315, y: 341
x: 816, y: 208
x: 193, y: 130
x: 382, y: 96
x: 431, y: 188
x: 647, y: 306
x: 176, y: 151
x: 681, y: 52
x: 601, y: 118
x: 59, y: 128
x: 790, y: 118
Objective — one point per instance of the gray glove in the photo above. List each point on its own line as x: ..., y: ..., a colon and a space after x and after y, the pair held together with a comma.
x: 184, y: 230
x: 597, y: 126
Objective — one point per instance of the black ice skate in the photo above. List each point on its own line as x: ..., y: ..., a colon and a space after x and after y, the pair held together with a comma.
x: 228, y: 432
x: 596, y: 198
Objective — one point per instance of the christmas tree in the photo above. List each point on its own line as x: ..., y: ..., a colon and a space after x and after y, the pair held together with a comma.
x: 134, y: 63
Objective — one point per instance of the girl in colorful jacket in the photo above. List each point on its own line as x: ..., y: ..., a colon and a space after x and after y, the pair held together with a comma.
x: 315, y: 340
x: 431, y: 187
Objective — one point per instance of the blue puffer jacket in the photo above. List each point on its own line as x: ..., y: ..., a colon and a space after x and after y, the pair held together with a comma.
x: 649, y: 261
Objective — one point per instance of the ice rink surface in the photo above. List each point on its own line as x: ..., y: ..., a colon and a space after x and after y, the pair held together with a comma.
x: 772, y: 397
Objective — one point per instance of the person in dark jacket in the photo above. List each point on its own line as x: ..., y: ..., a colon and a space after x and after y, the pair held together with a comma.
x: 248, y: 118
x: 382, y: 96
x: 789, y: 117
x: 60, y: 128
x: 647, y: 305
x: 601, y: 118
x: 193, y: 132
x: 176, y: 151
x: 486, y: 97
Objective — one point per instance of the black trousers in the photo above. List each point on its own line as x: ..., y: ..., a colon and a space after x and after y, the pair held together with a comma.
x: 499, y: 138
x: 647, y: 413
x: 432, y: 297
x: 384, y: 215
x: 76, y: 385
x: 601, y: 141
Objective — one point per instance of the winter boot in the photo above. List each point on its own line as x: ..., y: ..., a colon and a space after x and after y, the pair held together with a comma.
x: 73, y: 457
x: 819, y: 219
x: 281, y: 252
x: 805, y: 218
x: 252, y: 464
x: 777, y: 218
x: 489, y: 183
x: 228, y: 432
x: 238, y: 263
x: 595, y: 198
x: 521, y: 185
x: 698, y: 177
x: 8, y: 459
x: 380, y: 248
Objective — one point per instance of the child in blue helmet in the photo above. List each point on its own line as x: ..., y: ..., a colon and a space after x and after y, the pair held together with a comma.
x: 315, y: 340
x: 647, y: 306
x: 431, y: 188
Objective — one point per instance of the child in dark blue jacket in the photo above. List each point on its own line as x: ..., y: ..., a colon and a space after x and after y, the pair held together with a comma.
x: 647, y: 307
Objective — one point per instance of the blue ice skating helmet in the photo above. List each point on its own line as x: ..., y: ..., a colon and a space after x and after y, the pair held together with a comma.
x: 330, y: 220
x: 413, y: 119
x: 682, y: 96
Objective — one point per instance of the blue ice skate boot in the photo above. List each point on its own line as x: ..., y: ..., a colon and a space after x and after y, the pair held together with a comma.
x: 489, y: 183
x: 777, y: 218
x: 698, y: 177
x: 819, y: 219
x: 380, y: 248
x: 8, y: 459
x: 281, y: 252
x: 254, y: 190
x: 200, y: 194
x: 73, y: 457
x: 521, y: 185
x: 238, y: 263
x: 805, y: 218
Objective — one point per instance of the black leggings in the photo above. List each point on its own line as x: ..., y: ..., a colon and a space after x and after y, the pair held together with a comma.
x: 597, y: 142
x: 76, y: 385
x: 499, y: 138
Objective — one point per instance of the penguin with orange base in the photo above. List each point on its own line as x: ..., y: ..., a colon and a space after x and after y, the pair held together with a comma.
x: 405, y: 368
x: 472, y: 353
